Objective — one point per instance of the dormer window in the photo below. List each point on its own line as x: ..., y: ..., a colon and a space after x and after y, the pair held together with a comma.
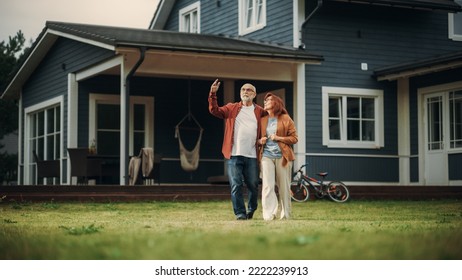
x: 252, y: 15
x: 190, y: 18
x: 455, y: 24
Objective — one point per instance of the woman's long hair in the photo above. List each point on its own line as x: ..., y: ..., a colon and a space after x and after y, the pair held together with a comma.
x: 279, y: 107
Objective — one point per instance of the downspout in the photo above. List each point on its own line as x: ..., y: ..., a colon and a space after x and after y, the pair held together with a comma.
x: 318, y: 6
x: 127, y: 109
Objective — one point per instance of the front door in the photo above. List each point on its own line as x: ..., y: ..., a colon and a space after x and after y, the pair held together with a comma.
x: 436, y: 156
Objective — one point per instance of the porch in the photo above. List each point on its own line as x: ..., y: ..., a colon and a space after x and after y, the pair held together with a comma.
x: 199, y: 192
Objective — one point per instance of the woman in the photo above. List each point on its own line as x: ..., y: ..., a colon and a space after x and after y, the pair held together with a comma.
x: 276, y: 156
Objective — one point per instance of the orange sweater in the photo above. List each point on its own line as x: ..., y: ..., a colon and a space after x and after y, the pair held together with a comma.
x: 286, y: 130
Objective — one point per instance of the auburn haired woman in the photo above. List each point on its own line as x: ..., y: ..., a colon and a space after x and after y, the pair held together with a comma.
x: 276, y: 156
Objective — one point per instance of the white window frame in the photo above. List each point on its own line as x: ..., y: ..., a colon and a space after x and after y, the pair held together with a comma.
x: 189, y: 11
x: 243, y: 29
x: 54, y: 102
x: 453, y: 20
x: 328, y: 92
x: 147, y: 101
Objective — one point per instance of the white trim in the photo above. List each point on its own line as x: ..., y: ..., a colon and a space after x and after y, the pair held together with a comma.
x: 452, y: 22
x: 148, y: 101
x: 298, y: 19
x: 59, y: 100
x: 72, y: 110
x: 300, y: 115
x: 20, y: 139
x: 80, y: 39
x: 404, y: 132
x: 379, y: 117
x: 241, y: 17
x: 98, y: 68
x: 188, y: 10
x: 421, y: 92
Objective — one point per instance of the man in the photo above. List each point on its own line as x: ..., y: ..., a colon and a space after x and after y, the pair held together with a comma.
x: 242, y: 130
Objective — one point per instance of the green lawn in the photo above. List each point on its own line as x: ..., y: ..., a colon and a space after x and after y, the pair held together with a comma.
x: 323, y: 230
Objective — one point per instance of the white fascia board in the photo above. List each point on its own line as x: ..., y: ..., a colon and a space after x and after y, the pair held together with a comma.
x: 100, y: 67
x: 82, y: 40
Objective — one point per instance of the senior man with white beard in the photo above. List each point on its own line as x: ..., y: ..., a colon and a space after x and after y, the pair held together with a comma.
x: 242, y: 131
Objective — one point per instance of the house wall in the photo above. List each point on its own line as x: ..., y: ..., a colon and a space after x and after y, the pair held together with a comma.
x: 347, y: 35
x: 223, y: 20
x: 50, y: 79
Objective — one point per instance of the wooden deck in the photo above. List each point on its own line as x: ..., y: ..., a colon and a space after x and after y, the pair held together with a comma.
x: 184, y: 192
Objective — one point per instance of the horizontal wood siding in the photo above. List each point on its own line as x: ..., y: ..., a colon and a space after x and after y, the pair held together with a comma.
x: 223, y: 19
x: 349, y: 34
x: 49, y: 80
x: 355, y: 169
x: 279, y: 23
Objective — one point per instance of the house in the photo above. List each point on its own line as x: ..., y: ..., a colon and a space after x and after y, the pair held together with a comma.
x: 384, y: 105
x: 129, y: 88
x: 374, y: 87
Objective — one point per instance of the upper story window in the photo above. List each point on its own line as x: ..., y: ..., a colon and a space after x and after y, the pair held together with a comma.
x: 190, y: 18
x: 252, y: 15
x: 352, y: 118
x: 455, y: 24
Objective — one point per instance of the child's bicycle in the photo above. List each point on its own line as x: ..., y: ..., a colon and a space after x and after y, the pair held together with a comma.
x: 302, y: 183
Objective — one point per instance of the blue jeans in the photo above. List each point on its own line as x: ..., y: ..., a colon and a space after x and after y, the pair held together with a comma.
x: 243, y: 170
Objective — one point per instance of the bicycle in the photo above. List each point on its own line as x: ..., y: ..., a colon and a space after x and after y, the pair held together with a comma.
x: 302, y: 183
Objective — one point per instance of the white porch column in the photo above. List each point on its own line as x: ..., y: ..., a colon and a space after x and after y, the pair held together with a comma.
x: 404, y: 138
x: 124, y: 71
x: 72, y: 119
x: 300, y: 116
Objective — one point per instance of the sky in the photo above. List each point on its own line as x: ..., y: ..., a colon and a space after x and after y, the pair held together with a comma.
x: 30, y: 16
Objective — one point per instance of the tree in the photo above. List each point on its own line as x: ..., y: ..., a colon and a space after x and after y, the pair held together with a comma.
x: 10, y: 55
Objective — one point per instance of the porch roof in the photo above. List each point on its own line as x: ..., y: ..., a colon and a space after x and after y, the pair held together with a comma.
x: 181, y: 41
x: 420, y: 67
x: 436, y: 5
x: 114, y: 38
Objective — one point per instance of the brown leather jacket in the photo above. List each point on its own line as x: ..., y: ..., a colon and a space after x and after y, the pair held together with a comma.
x: 229, y: 113
x: 286, y: 130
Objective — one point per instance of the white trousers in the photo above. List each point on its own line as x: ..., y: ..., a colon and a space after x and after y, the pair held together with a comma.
x: 274, y: 174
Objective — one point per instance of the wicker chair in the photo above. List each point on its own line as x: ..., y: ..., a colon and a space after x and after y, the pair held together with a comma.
x: 82, y: 167
x: 46, y: 168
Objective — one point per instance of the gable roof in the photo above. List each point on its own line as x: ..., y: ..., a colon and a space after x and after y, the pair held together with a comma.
x: 421, y: 67
x: 112, y: 38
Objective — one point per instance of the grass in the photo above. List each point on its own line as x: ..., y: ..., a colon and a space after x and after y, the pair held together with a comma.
x: 322, y: 230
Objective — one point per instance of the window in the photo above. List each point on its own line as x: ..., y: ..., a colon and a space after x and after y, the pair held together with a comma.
x: 455, y: 116
x: 43, y: 136
x: 352, y: 118
x: 106, y: 130
x: 190, y: 18
x: 455, y: 24
x: 252, y: 15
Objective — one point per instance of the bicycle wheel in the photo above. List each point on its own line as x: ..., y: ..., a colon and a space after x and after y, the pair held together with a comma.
x: 299, y: 192
x: 338, y: 191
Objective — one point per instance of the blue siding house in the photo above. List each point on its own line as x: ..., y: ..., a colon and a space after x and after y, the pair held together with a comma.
x: 384, y: 106
x: 374, y: 87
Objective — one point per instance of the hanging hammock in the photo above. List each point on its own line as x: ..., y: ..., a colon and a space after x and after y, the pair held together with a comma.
x: 189, y: 159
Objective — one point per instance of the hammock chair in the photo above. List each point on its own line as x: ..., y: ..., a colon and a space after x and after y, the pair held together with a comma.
x: 189, y: 159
